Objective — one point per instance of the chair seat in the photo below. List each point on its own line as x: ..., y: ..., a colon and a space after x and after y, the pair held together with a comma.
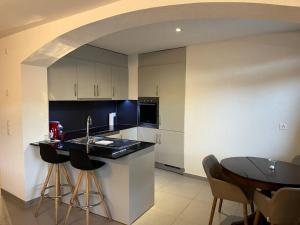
x: 92, y: 165
x: 59, y: 159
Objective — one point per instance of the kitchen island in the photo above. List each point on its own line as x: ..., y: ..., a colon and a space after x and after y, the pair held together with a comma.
x: 127, y: 178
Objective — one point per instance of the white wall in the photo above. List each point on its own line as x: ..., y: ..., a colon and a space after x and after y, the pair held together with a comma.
x: 237, y: 93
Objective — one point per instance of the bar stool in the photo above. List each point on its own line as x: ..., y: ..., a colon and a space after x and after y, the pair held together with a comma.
x: 50, y: 155
x: 80, y: 160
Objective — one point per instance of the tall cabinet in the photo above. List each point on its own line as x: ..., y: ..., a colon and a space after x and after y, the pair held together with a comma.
x: 162, y: 74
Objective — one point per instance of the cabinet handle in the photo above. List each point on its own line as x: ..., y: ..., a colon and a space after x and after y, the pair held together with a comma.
x: 75, y: 90
x: 159, y: 120
x: 113, y: 91
x: 156, y: 138
x: 94, y: 90
x: 97, y: 90
x: 159, y: 141
x: 157, y: 90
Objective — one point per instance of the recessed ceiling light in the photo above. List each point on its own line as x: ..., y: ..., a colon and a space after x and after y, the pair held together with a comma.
x: 178, y: 29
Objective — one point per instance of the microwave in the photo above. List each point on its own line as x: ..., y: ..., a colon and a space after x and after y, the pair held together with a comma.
x: 148, y: 112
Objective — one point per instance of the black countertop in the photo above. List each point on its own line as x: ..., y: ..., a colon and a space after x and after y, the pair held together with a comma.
x: 98, y: 151
x: 95, y: 150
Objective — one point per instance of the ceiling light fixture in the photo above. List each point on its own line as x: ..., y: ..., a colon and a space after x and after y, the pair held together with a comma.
x: 178, y: 29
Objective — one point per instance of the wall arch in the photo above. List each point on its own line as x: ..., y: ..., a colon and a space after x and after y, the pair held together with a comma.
x: 69, y: 41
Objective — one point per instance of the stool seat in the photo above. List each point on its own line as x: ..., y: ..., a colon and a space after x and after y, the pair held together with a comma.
x: 50, y: 155
x: 80, y: 160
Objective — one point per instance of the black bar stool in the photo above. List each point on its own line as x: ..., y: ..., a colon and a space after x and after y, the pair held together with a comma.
x: 80, y: 160
x: 56, y: 161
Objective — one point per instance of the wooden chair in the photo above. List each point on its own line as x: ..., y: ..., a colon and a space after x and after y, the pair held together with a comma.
x: 282, y: 208
x: 222, y: 189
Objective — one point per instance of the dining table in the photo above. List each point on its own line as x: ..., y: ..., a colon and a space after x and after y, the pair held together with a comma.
x: 264, y: 174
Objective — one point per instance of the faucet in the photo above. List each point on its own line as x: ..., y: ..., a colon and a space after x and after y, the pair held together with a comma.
x: 88, y: 123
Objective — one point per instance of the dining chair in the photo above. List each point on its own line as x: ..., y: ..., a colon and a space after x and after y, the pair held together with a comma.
x: 282, y: 208
x: 222, y: 188
x: 296, y: 160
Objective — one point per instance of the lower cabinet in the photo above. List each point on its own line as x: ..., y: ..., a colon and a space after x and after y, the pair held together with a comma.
x: 130, y: 134
x: 169, y: 148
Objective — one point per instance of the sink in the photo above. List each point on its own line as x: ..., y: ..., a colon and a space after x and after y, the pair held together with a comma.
x: 83, y: 140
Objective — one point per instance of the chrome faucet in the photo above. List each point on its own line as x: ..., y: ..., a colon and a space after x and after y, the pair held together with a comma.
x: 88, y: 140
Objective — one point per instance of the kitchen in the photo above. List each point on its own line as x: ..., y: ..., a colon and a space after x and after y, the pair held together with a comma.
x: 185, y: 106
x: 93, y: 83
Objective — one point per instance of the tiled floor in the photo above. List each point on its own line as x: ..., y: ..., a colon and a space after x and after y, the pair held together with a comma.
x: 179, y: 200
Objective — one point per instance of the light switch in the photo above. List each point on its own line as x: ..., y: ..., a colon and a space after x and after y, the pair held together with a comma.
x: 283, y: 126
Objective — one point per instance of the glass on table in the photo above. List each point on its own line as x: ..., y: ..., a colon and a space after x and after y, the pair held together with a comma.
x: 272, y: 164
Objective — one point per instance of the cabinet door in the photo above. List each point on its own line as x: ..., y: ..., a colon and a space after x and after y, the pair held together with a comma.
x: 170, y: 148
x: 130, y: 134
x: 148, y: 81
x: 119, y: 83
x: 103, y: 81
x: 62, y: 80
x: 149, y: 135
x: 86, y: 79
x: 172, y: 96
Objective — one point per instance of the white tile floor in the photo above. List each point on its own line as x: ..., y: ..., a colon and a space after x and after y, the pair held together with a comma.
x: 179, y: 200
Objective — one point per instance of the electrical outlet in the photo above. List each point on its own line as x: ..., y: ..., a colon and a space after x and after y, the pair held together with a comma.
x: 283, y: 126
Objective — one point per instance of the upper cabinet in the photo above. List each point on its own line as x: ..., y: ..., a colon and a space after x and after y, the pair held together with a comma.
x: 89, y: 73
x: 86, y: 79
x: 103, y: 81
x: 119, y: 83
x: 62, y: 80
x: 162, y: 74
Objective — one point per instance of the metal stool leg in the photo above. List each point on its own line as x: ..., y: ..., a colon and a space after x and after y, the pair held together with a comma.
x: 44, y: 189
x: 74, y: 195
x: 101, y: 195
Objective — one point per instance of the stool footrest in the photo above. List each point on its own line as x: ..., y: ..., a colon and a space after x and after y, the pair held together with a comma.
x: 57, y: 196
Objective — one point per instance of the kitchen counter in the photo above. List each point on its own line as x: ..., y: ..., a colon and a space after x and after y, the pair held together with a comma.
x: 127, y: 178
x: 98, y: 151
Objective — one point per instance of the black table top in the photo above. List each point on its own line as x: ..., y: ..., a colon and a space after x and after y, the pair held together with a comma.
x: 256, y: 172
x: 98, y: 150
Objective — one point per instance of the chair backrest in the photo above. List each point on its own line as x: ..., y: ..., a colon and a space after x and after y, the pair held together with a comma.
x: 80, y: 159
x: 296, y: 160
x: 286, y: 206
x: 48, y: 153
x: 212, y: 167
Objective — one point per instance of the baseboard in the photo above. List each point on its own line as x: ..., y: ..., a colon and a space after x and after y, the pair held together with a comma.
x: 24, y: 204
x: 169, y: 168
x: 195, y: 176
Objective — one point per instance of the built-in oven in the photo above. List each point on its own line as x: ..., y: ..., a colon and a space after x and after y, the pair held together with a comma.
x: 148, y: 112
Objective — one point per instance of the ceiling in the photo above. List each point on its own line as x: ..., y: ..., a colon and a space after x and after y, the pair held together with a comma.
x: 17, y: 15
x: 163, y: 35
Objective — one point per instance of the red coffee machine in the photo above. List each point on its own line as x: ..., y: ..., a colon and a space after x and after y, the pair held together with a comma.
x: 55, y: 130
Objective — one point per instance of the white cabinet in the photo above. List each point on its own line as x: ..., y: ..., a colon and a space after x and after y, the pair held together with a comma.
x: 149, y: 135
x: 170, y: 148
x: 171, y: 96
x: 103, y: 81
x: 148, y: 81
x: 169, y: 145
x: 86, y: 79
x: 130, y: 134
x: 72, y: 79
x: 119, y: 83
x: 62, y: 80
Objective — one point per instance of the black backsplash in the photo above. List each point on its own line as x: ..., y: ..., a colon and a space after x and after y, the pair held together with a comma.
x: 72, y: 114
